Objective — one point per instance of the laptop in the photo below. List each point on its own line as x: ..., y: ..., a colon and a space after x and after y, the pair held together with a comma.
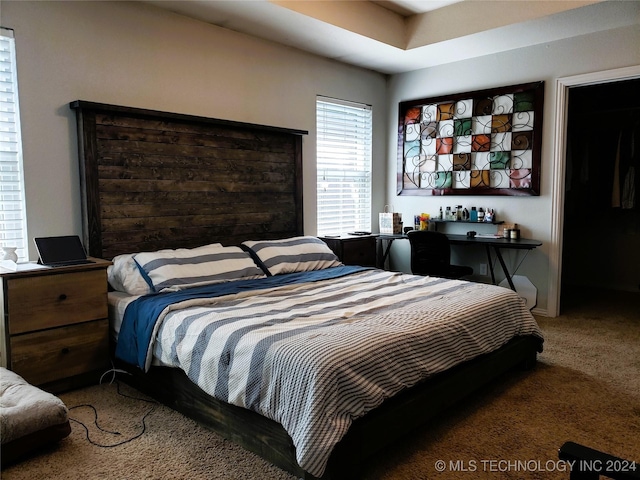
x: 61, y: 251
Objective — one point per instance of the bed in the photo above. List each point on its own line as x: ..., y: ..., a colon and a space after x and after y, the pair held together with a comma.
x: 203, y: 221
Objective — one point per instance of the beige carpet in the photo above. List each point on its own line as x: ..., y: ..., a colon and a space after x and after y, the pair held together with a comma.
x: 585, y: 388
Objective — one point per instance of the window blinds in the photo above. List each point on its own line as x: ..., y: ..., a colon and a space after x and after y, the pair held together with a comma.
x: 13, y: 224
x: 343, y: 166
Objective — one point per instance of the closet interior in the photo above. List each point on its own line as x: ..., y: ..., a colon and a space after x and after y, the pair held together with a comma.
x: 601, y: 238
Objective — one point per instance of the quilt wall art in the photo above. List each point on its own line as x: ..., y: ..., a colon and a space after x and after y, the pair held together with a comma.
x: 485, y: 142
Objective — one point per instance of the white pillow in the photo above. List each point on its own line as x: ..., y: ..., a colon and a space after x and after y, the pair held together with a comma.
x: 296, y: 254
x: 172, y: 270
x: 124, y: 275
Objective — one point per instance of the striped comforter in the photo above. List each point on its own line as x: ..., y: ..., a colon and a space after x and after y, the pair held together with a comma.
x: 314, y: 356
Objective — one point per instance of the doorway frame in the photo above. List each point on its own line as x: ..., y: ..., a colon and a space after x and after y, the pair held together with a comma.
x: 563, y: 85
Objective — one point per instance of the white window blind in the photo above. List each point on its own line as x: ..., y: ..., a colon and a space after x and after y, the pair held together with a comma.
x: 344, y: 166
x: 13, y: 221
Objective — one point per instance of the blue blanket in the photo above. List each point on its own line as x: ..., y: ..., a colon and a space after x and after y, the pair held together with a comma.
x: 141, y: 315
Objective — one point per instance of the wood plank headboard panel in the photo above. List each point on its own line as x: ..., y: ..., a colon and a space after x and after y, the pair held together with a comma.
x: 153, y: 180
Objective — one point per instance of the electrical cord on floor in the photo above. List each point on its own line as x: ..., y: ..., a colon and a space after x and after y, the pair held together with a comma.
x: 114, y: 371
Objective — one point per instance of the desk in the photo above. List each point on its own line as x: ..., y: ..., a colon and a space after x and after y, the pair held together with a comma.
x: 489, y: 243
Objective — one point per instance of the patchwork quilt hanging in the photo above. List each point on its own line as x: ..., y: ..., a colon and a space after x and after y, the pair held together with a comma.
x: 483, y: 142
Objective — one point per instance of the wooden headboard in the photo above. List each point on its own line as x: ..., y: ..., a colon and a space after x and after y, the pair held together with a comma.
x: 152, y: 180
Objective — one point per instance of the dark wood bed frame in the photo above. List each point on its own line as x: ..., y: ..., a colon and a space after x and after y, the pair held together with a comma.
x: 154, y: 180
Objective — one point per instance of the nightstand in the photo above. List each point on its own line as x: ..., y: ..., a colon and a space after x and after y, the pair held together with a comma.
x: 55, y: 330
x: 353, y: 249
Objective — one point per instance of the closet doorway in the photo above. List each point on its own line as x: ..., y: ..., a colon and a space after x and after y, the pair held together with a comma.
x: 601, y: 228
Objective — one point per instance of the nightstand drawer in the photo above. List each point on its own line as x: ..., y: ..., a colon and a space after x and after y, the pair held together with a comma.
x: 353, y: 250
x: 48, y: 301
x: 50, y: 355
x: 360, y: 252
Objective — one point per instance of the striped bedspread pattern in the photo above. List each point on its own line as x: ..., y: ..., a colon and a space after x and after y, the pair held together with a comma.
x: 315, y: 356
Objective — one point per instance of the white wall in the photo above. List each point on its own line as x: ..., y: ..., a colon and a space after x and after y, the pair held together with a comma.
x: 137, y: 55
x: 548, y: 62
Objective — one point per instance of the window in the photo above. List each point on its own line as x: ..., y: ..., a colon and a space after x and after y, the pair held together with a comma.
x: 344, y: 166
x: 13, y: 221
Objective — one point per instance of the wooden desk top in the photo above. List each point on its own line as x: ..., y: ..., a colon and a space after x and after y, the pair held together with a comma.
x: 459, y: 239
x: 525, y: 243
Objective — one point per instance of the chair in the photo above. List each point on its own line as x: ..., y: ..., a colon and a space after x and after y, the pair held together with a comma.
x: 431, y: 255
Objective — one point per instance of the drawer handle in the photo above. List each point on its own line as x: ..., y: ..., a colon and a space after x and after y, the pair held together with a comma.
x: 62, y: 297
x: 65, y: 350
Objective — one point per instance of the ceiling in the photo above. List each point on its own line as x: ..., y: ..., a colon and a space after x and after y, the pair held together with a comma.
x: 404, y: 35
x: 411, y: 7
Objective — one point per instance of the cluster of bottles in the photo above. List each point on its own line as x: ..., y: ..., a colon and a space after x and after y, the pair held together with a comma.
x: 462, y: 214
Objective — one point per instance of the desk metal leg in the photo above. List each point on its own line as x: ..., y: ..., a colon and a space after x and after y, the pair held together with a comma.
x: 382, y: 260
x: 493, y: 276
x: 504, y: 268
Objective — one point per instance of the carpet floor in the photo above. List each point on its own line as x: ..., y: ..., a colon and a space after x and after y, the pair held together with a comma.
x: 585, y: 388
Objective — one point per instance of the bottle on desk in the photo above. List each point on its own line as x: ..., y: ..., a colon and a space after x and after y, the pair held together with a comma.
x: 488, y: 216
x: 473, y: 215
x: 481, y: 215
